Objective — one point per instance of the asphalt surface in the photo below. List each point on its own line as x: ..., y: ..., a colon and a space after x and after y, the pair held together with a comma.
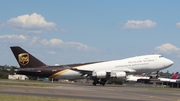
x: 93, y: 93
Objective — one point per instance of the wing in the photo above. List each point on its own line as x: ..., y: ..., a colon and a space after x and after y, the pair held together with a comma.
x: 108, y: 72
x: 83, y: 72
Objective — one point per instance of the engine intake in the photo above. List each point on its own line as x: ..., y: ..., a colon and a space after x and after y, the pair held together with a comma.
x: 99, y: 74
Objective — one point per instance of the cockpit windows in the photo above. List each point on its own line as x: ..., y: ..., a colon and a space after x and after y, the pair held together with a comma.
x: 160, y: 56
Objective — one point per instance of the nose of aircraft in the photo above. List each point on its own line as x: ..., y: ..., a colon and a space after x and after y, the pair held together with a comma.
x: 169, y: 63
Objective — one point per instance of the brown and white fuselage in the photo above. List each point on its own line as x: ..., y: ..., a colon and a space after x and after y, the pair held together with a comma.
x: 29, y: 65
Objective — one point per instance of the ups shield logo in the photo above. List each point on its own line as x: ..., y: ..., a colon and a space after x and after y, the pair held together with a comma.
x: 23, y: 59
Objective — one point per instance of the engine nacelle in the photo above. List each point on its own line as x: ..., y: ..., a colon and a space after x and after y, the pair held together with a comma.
x: 99, y: 74
x: 118, y: 74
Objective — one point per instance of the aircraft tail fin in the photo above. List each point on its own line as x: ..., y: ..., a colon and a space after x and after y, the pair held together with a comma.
x: 175, y: 75
x: 25, y: 59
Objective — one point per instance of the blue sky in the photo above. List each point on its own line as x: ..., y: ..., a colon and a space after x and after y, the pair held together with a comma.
x: 65, y: 31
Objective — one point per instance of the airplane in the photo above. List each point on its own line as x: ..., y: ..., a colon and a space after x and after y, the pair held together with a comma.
x: 99, y: 72
x: 137, y: 78
x: 173, y: 78
x: 175, y: 75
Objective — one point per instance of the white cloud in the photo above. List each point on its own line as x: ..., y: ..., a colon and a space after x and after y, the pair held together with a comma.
x: 55, y: 42
x: 19, y: 37
x: 37, y: 42
x: 52, y: 42
x: 34, y: 23
x: 64, y: 31
x: 58, y: 43
x: 79, y: 46
x: 12, y: 39
x: 138, y: 24
x: 178, y: 24
x: 51, y: 52
x: 167, y: 48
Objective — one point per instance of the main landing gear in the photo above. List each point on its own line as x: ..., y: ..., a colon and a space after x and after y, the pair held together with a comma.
x: 99, y: 81
x: 157, y: 75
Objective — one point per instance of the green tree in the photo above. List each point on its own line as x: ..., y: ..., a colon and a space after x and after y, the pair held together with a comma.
x: 119, y: 81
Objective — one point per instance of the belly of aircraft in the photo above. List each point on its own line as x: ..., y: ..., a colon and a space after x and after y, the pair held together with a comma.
x: 70, y: 75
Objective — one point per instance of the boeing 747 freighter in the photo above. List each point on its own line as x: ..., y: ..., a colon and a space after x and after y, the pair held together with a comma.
x: 99, y: 72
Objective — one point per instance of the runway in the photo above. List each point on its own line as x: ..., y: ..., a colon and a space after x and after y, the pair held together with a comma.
x: 93, y: 93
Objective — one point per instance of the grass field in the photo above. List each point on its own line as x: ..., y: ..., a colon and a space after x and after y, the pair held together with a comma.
x: 5, y: 97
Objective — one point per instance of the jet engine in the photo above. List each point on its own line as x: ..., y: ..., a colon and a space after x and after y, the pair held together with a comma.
x: 99, y: 74
x: 118, y: 74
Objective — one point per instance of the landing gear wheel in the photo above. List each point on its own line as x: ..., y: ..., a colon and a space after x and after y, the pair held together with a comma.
x: 94, y: 83
x: 103, y: 82
x: 99, y: 81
